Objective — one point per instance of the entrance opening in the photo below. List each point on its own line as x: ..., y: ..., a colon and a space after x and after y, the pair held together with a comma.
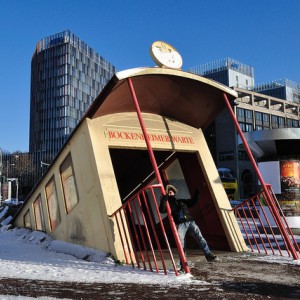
x: 133, y: 171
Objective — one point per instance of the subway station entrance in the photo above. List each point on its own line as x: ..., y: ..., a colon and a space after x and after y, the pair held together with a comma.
x: 142, y: 132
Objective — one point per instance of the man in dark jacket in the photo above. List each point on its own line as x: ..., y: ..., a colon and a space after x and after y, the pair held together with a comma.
x: 183, y: 219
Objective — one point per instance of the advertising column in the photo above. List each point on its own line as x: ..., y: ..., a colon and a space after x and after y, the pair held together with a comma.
x: 284, y: 177
x: 290, y: 193
x: 290, y: 187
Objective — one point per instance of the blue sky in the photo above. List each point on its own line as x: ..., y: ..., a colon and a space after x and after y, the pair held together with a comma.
x: 260, y: 33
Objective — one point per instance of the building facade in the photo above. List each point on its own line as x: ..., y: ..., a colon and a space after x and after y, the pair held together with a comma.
x: 256, y: 113
x: 283, y: 89
x: 66, y: 76
x: 272, y: 129
x: 227, y: 71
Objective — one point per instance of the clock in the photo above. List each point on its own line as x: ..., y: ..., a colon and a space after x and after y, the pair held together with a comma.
x: 165, y: 55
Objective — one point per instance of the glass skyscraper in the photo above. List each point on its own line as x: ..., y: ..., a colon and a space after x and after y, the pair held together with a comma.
x: 66, y: 76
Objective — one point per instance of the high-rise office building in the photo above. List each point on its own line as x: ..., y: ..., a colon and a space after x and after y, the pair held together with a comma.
x: 66, y: 76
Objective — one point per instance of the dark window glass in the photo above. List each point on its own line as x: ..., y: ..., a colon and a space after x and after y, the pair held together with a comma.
x: 226, y: 155
x: 243, y: 155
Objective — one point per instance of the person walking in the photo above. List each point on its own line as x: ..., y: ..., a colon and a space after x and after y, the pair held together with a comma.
x: 184, y: 222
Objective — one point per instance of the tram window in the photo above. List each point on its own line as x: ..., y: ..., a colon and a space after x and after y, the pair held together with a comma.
x: 52, y: 202
x: 69, y: 184
x: 38, y: 214
x: 26, y: 219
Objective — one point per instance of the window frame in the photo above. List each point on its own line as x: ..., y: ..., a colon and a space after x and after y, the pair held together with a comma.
x: 52, y: 204
x: 38, y: 207
x: 27, y: 219
x: 69, y: 188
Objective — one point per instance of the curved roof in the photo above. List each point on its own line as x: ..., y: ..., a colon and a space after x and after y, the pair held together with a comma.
x: 179, y: 95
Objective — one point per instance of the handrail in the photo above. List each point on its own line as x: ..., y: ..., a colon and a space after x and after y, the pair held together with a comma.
x: 268, y: 196
x: 256, y: 225
x: 140, y: 233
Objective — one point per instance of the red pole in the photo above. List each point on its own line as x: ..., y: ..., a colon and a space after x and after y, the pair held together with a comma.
x: 158, y: 177
x: 277, y: 216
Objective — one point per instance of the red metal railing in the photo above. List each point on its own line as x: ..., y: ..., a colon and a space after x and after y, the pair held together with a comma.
x: 158, y: 177
x: 260, y: 227
x: 268, y: 195
x: 142, y: 232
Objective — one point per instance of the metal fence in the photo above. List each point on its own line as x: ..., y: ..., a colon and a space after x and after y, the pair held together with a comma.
x: 265, y: 227
x: 142, y: 231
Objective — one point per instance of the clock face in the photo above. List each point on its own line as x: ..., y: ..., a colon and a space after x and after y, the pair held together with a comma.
x: 164, y: 55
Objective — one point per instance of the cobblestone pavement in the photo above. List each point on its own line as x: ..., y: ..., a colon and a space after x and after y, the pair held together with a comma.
x: 235, y: 276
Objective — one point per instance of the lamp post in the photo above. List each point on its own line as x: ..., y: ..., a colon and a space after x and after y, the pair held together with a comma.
x: 17, y: 188
x: 9, y: 181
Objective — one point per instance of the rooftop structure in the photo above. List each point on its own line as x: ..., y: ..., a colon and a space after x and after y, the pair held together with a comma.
x: 227, y: 71
x: 283, y: 89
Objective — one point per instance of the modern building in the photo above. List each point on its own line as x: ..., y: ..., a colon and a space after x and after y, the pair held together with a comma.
x: 227, y: 71
x: 272, y: 129
x: 283, y: 89
x: 221, y: 135
x: 66, y: 77
x: 271, y: 126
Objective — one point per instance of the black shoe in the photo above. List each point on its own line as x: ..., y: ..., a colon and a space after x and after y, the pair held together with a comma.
x: 181, y: 271
x: 211, y: 257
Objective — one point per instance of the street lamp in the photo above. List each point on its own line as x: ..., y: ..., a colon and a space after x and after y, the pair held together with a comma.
x: 9, y: 187
x: 9, y: 180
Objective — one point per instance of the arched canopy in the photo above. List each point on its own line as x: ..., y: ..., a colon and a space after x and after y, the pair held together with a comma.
x: 185, y: 97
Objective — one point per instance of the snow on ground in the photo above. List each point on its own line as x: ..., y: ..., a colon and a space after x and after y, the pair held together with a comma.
x: 27, y: 254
